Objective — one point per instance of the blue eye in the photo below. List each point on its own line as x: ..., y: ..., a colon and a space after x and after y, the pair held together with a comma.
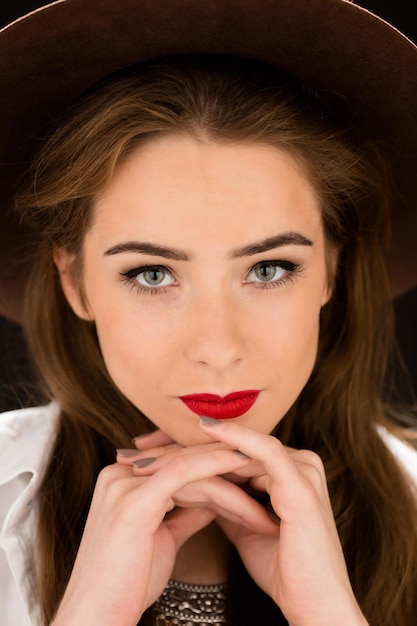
x: 154, y: 277
x: 150, y: 278
x: 272, y: 272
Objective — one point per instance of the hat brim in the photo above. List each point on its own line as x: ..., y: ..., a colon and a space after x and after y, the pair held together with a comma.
x: 51, y: 56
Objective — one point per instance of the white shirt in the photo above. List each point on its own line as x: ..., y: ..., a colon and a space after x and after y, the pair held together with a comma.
x: 26, y: 437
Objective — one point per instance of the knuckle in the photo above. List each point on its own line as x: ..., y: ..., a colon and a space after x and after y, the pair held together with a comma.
x: 109, y: 484
x: 314, y: 476
x: 105, y: 477
x: 312, y: 459
x: 274, y: 445
x: 114, y: 490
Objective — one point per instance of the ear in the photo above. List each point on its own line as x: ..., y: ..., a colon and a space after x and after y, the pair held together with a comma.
x: 327, y: 294
x: 65, y: 265
x: 332, y: 259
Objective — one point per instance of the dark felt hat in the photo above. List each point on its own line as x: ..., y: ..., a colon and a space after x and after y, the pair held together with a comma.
x: 52, y: 55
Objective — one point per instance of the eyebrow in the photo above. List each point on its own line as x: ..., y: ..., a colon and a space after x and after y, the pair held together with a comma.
x: 270, y: 243
x: 143, y: 247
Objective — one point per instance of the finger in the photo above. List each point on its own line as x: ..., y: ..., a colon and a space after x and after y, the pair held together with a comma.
x: 113, y: 482
x: 184, y: 523
x: 157, y: 444
x: 216, y: 493
x: 310, y: 467
x: 126, y: 456
x: 290, y: 491
x: 181, y: 471
x: 151, y: 460
x: 228, y: 501
x: 152, y: 440
x: 237, y: 533
x: 264, y: 448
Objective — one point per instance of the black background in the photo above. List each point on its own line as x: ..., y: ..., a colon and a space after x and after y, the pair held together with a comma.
x: 16, y: 380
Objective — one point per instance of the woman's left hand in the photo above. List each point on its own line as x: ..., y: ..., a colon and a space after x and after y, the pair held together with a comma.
x: 302, y: 566
x: 303, y: 569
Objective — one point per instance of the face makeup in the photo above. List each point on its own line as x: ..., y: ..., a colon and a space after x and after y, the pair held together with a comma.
x: 205, y: 270
x: 233, y: 405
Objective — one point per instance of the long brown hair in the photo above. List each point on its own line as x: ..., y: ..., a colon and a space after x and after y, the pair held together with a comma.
x: 339, y: 412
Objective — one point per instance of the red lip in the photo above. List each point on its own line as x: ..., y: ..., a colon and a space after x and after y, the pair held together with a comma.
x: 232, y: 405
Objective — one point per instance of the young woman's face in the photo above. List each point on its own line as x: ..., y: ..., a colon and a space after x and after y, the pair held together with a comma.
x: 205, y: 272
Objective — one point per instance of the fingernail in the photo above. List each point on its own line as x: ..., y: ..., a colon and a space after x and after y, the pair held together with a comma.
x: 128, y: 452
x: 143, y: 462
x: 209, y: 421
x: 242, y: 454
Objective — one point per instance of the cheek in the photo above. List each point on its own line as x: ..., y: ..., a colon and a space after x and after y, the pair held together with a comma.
x: 298, y: 343
x: 134, y: 345
x: 306, y: 343
x: 291, y: 341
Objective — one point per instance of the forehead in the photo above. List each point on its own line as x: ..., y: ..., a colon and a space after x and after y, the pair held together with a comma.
x: 177, y: 179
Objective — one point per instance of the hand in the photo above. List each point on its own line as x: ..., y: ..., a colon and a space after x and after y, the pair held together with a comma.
x: 301, y: 566
x: 303, y: 569
x: 129, y: 545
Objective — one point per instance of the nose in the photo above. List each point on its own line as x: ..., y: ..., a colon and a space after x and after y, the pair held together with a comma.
x: 214, y: 334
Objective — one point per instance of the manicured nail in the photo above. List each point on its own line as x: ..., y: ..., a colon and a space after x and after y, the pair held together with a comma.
x: 143, y: 462
x: 242, y: 454
x: 128, y: 452
x: 209, y: 421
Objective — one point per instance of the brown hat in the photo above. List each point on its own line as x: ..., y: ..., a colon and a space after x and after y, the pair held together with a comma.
x: 52, y: 55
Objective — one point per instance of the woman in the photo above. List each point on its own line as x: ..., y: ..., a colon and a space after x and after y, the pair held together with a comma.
x: 210, y: 241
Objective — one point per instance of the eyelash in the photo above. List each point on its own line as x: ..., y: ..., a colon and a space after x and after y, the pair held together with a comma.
x: 291, y: 269
x: 129, y: 278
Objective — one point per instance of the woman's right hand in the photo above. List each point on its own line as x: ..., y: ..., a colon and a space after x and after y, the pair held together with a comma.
x: 128, y: 548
